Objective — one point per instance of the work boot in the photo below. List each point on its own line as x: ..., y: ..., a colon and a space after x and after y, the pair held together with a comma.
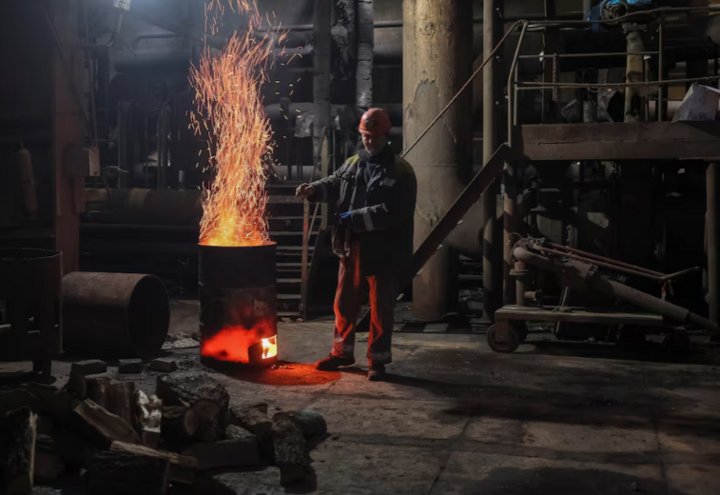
x: 376, y: 373
x: 332, y: 363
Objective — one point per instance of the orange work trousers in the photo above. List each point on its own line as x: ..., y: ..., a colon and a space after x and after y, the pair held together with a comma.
x: 348, y: 303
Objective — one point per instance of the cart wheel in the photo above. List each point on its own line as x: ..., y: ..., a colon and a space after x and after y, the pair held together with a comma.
x: 522, y: 330
x: 504, y: 347
x: 676, y: 341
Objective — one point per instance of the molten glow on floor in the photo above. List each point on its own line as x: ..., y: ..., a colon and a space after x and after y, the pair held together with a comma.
x: 233, y: 343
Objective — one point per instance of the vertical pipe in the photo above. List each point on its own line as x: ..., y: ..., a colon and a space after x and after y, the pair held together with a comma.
x: 510, y: 206
x: 661, y: 108
x: 521, y: 284
x: 366, y: 47
x: 304, y: 260
x: 492, y: 122
x: 322, y: 80
x: 437, y: 60
x: 634, y: 103
x: 713, y: 256
x: 586, y: 6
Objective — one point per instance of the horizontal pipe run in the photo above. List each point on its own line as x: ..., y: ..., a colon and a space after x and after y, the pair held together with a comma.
x: 570, y: 16
x: 665, y: 276
x: 585, y: 55
x: 611, y: 266
x: 601, y: 258
x: 533, y: 85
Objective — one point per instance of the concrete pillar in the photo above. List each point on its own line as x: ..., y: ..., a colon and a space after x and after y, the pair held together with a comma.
x: 437, y: 60
x: 493, y: 109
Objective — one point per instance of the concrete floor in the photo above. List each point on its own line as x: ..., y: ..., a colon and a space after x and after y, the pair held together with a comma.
x: 456, y: 418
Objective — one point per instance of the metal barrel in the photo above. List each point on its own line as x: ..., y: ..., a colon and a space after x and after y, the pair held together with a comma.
x: 30, y: 293
x: 238, y: 314
x: 115, y: 314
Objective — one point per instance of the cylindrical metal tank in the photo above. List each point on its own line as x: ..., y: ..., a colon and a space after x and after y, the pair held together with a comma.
x: 30, y: 308
x: 115, y: 314
x: 238, y: 315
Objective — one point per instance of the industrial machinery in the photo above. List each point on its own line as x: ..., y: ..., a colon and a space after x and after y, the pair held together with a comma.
x: 583, y: 272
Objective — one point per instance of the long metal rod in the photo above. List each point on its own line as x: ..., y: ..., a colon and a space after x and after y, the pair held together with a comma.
x: 713, y: 238
x: 610, y: 266
x: 510, y: 194
x: 510, y: 82
x: 460, y: 92
x: 660, y: 107
x: 604, y: 285
x: 584, y: 55
x: 602, y: 258
x: 537, y: 85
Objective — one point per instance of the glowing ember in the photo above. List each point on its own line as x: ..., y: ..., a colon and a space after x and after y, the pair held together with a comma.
x: 233, y: 344
x: 269, y: 347
x: 229, y: 107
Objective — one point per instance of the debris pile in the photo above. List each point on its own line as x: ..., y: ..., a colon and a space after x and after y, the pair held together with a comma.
x: 124, y: 441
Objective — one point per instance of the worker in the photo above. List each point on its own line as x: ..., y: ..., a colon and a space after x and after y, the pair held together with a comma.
x: 375, y: 193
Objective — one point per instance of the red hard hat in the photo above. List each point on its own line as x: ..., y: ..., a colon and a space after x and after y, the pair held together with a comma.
x: 375, y: 122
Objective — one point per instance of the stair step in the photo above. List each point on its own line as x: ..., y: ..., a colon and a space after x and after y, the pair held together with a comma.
x: 287, y: 233
x: 289, y: 297
x: 289, y: 280
x: 294, y: 248
x: 273, y: 200
x: 289, y: 314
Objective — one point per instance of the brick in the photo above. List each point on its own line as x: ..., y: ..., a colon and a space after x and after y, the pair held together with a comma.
x: 164, y: 365
x: 130, y: 366
x: 90, y: 367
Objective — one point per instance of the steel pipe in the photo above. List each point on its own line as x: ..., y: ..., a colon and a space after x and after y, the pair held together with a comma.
x: 713, y: 234
x: 583, y: 277
x: 114, y: 314
x: 493, y: 11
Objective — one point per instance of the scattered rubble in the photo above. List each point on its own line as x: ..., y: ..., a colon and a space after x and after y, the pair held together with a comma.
x: 310, y: 422
x: 131, y: 442
x: 127, y: 473
x: 291, y: 451
x: 130, y: 366
x: 164, y: 365
x: 17, y: 451
x: 90, y: 367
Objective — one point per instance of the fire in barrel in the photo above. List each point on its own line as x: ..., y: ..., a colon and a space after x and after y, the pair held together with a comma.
x: 238, y: 316
x: 238, y: 319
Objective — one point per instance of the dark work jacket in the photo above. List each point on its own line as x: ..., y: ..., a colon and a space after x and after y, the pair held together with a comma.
x: 383, y: 224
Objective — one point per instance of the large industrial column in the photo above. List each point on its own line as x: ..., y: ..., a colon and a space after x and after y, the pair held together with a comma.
x: 437, y: 60
x: 493, y: 109
x: 713, y: 231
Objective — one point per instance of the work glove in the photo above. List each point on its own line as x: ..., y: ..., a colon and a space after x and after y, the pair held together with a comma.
x: 345, y: 218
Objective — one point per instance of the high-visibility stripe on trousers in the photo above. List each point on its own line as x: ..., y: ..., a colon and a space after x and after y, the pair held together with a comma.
x: 348, y: 303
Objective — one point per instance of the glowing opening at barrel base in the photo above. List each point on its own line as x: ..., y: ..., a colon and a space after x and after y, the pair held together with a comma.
x: 269, y: 347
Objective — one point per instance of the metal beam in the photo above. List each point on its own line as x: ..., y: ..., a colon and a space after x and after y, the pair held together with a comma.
x: 492, y: 123
x: 620, y: 141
